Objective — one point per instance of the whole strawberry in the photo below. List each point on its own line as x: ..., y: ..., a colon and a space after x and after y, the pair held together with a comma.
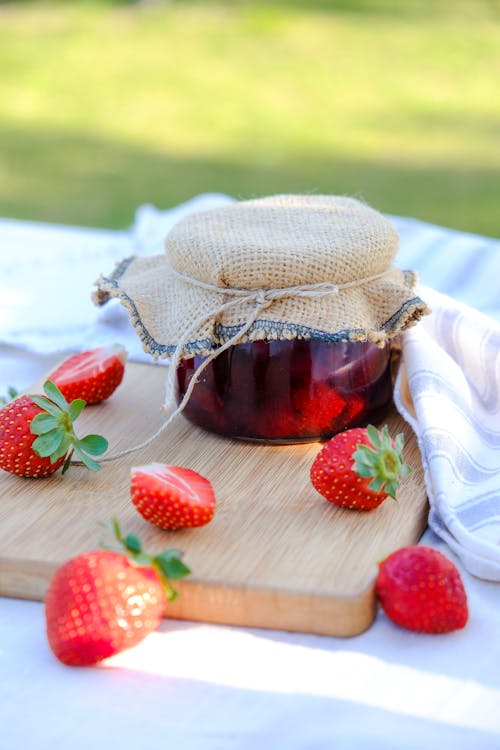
x: 103, y: 602
x: 92, y: 375
x: 37, y: 435
x: 359, y: 468
x: 420, y: 589
x: 172, y: 497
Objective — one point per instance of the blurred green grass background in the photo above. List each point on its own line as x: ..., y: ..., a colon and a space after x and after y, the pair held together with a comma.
x: 107, y: 105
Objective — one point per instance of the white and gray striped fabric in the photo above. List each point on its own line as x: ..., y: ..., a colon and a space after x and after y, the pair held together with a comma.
x: 452, y: 364
x: 461, y: 265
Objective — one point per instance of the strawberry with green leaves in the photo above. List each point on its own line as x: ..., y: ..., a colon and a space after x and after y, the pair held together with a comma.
x: 172, y: 497
x: 360, y: 468
x: 102, y: 602
x: 420, y: 589
x: 37, y: 436
x: 91, y: 375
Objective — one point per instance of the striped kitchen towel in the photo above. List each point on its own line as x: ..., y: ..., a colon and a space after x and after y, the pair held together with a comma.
x: 448, y: 389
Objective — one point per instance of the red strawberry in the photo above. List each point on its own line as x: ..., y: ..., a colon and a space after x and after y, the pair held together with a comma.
x: 420, y: 589
x: 92, y: 375
x: 359, y: 468
x: 37, y: 435
x: 355, y: 407
x: 273, y: 421
x: 172, y: 497
x: 320, y: 406
x: 102, y: 602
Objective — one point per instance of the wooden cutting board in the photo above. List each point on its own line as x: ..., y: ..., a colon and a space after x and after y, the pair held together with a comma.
x: 276, y: 554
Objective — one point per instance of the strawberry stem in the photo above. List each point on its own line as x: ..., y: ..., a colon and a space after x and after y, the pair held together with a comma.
x: 381, y: 460
x: 167, y: 565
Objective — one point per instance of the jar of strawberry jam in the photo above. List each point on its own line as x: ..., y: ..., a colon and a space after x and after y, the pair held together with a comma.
x: 288, y: 391
x: 277, y: 315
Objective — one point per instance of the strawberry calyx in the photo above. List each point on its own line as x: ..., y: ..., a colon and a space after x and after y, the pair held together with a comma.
x: 381, y: 460
x: 168, y: 565
x: 56, y: 434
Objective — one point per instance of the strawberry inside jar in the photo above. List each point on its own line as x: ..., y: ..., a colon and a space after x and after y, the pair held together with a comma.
x: 282, y: 391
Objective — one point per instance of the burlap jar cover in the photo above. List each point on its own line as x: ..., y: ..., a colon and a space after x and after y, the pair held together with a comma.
x: 281, y: 267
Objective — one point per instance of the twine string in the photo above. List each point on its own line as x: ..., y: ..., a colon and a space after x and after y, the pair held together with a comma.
x: 262, y: 298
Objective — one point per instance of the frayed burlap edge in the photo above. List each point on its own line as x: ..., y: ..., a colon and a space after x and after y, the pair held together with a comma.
x: 407, y: 315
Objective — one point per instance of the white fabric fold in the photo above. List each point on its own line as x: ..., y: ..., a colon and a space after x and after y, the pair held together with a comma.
x: 48, y: 271
x: 452, y: 371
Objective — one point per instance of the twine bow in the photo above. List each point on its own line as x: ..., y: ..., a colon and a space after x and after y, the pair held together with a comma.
x: 262, y: 298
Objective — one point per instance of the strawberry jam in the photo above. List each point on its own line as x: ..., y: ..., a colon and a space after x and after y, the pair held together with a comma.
x: 288, y: 391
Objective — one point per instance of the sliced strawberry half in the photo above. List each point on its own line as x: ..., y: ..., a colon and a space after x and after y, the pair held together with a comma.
x: 92, y: 375
x: 172, y: 497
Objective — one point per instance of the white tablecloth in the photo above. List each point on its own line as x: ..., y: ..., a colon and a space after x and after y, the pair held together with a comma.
x: 192, y: 685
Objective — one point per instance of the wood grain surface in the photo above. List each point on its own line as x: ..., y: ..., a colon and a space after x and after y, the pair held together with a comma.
x: 276, y: 554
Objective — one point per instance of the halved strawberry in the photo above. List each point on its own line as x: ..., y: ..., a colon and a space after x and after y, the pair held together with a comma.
x: 91, y: 375
x: 172, y: 497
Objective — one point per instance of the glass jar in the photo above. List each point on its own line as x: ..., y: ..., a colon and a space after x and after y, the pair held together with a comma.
x: 288, y: 391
